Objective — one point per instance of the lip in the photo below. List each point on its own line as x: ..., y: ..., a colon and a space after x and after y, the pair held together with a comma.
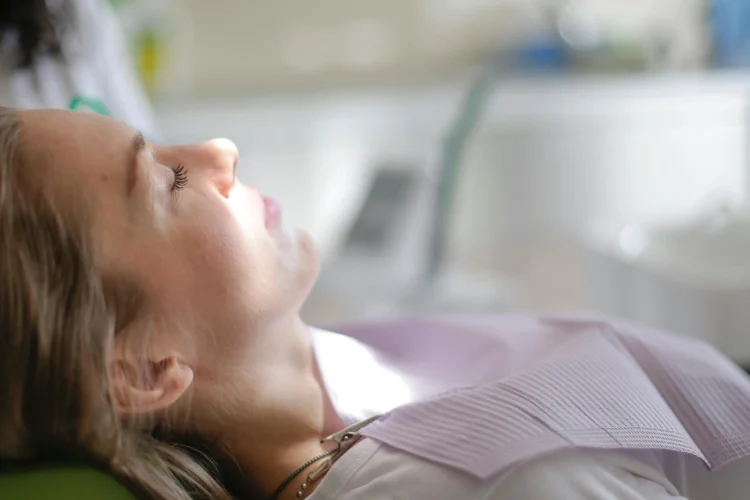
x: 273, y: 211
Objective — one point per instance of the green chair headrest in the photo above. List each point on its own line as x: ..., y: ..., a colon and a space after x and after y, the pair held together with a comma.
x: 61, y: 483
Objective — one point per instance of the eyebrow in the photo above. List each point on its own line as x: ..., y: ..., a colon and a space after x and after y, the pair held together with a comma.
x: 138, y: 144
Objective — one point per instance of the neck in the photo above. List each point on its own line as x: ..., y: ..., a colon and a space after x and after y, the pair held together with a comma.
x: 290, y: 415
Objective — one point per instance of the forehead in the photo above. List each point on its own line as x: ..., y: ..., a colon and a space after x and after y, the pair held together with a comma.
x: 82, y: 160
x: 73, y: 142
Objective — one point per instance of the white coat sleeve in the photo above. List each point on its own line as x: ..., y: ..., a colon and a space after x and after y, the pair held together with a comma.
x: 123, y: 91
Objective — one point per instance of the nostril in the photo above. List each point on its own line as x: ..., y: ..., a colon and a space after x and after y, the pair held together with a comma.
x: 226, y: 190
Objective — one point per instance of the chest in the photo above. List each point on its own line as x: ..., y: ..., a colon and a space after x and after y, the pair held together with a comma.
x: 372, y: 470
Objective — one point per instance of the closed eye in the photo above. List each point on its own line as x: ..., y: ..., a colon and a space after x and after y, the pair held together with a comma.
x: 180, y: 177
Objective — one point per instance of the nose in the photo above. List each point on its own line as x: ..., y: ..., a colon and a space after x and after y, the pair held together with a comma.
x: 222, y: 155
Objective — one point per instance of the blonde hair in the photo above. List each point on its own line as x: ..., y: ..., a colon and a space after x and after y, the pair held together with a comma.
x: 58, y: 320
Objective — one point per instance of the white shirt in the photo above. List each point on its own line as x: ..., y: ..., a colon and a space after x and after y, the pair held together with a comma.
x: 362, y: 383
x: 96, y: 67
x: 371, y: 471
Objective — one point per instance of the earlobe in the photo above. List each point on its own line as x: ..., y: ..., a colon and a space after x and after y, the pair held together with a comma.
x: 148, y: 390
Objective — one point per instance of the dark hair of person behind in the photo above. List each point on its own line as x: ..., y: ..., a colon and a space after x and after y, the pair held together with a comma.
x: 37, y: 28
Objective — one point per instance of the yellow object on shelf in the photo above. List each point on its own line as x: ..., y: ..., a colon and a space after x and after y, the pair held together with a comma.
x: 149, y: 58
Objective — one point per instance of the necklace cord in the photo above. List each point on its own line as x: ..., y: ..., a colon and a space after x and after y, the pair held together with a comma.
x: 280, y: 489
x: 344, y: 439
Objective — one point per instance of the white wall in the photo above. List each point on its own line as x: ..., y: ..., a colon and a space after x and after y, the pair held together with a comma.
x: 239, y: 46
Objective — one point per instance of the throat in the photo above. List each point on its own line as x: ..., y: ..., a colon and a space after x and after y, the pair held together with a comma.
x: 281, y: 413
x: 283, y: 429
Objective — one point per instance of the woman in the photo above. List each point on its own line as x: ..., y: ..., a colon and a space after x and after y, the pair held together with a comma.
x: 70, y: 54
x: 149, y: 308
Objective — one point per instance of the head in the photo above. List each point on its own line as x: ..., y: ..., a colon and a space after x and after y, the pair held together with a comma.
x: 146, y: 295
x: 34, y: 27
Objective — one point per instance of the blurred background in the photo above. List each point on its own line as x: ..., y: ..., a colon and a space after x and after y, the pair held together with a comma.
x: 483, y: 155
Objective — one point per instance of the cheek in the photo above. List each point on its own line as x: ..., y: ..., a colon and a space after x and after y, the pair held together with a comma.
x: 228, y: 263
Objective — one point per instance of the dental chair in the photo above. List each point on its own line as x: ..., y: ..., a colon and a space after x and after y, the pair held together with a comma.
x: 61, y: 482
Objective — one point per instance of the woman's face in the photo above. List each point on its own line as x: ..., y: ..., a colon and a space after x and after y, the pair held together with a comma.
x: 210, y: 255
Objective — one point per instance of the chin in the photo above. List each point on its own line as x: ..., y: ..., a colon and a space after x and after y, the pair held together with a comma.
x: 309, y: 261
x: 302, y: 266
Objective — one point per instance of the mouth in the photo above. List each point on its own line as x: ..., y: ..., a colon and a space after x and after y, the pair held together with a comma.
x: 272, y: 209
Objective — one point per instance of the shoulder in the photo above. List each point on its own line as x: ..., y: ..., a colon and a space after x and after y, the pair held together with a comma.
x: 376, y: 471
x: 92, y: 18
x: 89, y: 9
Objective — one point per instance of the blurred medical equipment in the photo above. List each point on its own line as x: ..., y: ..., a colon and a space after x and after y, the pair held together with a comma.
x: 607, y: 144
x: 393, y: 261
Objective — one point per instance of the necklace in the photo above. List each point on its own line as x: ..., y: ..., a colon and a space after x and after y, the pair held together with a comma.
x: 344, y: 439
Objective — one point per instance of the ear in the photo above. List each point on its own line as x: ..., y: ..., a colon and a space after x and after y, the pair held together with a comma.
x: 150, y: 387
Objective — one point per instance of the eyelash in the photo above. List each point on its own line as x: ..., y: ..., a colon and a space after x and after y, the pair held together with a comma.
x: 180, y: 177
